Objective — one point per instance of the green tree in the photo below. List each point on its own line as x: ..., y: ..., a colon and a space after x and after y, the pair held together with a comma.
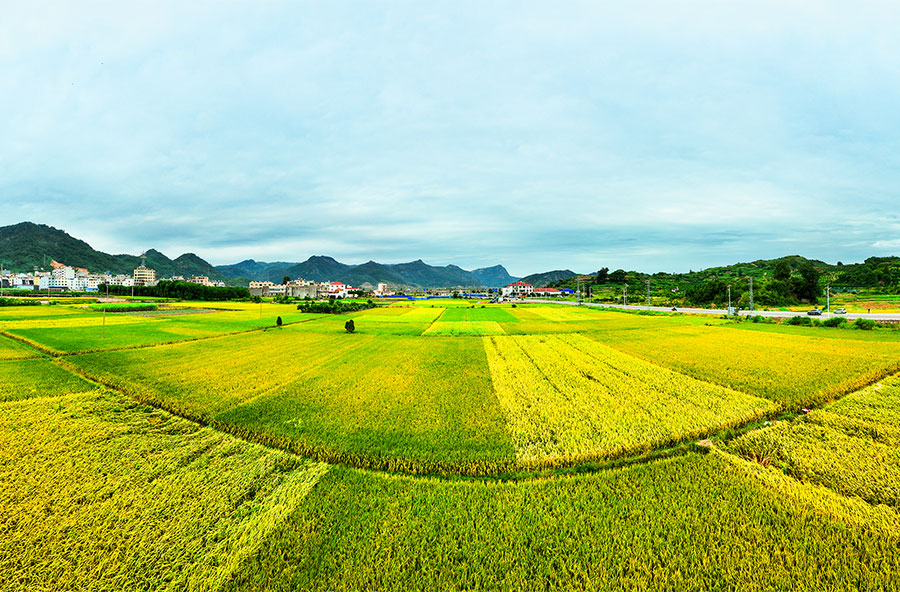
x: 350, y: 326
x: 782, y: 271
x: 603, y: 275
x: 285, y: 280
x: 618, y: 276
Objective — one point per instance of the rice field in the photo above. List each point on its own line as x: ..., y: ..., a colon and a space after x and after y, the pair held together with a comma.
x: 568, y: 398
x: 851, y: 446
x: 119, y: 496
x: 443, y: 446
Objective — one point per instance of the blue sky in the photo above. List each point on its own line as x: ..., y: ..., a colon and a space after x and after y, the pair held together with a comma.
x: 653, y: 136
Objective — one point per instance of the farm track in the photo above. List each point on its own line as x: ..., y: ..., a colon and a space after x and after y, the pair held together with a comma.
x: 583, y: 466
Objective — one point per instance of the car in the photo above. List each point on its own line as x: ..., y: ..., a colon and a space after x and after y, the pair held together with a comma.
x: 814, y: 312
x: 840, y: 311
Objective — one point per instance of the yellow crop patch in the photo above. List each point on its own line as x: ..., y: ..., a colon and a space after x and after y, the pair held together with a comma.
x: 569, y: 398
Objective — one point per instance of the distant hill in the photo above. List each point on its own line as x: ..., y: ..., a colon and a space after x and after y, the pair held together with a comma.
x: 27, y: 245
x: 417, y: 273
x: 494, y: 277
x: 540, y: 280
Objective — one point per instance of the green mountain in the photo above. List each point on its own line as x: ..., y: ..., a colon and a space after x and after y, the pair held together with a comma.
x: 27, y: 245
x: 320, y: 268
x: 540, y: 280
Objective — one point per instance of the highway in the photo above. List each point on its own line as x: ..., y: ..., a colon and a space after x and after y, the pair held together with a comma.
x: 875, y: 316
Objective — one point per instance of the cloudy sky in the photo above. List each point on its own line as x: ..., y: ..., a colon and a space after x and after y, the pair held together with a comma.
x: 644, y: 135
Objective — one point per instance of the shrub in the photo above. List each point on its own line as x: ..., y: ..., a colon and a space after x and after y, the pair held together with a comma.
x: 799, y: 321
x: 278, y: 321
x: 835, y: 322
x: 864, y: 324
x: 350, y: 326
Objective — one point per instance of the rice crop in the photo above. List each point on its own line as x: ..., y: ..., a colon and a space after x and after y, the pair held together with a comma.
x: 464, y: 328
x: 37, y: 377
x: 796, y: 371
x: 686, y: 523
x: 396, y: 403
x: 123, y: 307
x: 10, y: 349
x: 851, y: 446
x: 99, y: 493
x: 568, y: 398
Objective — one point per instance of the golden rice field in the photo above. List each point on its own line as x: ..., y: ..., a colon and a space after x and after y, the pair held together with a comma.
x: 444, y: 445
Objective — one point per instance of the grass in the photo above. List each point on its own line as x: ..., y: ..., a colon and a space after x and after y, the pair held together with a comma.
x: 569, y: 399
x: 395, y: 403
x: 37, y: 377
x: 686, y: 523
x: 98, y: 493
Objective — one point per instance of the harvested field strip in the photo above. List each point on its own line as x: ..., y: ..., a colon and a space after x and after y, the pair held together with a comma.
x: 100, y: 493
x: 570, y: 399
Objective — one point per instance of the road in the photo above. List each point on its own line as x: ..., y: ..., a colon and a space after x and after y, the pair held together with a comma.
x: 875, y: 316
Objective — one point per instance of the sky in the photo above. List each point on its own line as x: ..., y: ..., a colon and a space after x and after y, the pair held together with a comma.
x: 655, y: 136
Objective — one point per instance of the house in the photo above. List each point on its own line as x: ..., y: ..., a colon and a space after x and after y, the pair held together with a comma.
x: 546, y: 292
x: 517, y: 289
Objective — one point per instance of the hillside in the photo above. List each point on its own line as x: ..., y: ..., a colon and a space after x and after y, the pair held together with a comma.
x: 27, y: 245
x: 539, y: 280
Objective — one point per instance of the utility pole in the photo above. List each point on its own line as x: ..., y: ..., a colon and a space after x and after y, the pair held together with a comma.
x: 648, y: 292
x: 625, y: 295
x: 828, y: 296
x: 729, y: 297
x: 751, y: 294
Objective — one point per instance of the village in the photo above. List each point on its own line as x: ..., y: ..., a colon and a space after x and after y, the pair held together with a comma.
x: 66, y: 278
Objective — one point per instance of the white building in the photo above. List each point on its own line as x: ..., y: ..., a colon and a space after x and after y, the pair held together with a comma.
x: 517, y: 289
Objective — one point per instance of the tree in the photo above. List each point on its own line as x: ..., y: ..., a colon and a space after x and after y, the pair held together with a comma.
x: 603, y: 275
x: 807, y: 285
x: 278, y: 321
x: 618, y: 276
x: 350, y: 326
x: 285, y: 280
x: 782, y: 271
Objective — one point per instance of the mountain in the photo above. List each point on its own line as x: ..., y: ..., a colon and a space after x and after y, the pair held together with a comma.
x: 27, y: 245
x: 256, y: 270
x: 320, y: 268
x: 494, y: 277
x: 539, y: 280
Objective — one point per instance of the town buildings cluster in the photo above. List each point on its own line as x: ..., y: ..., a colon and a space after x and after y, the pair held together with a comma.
x: 65, y: 278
